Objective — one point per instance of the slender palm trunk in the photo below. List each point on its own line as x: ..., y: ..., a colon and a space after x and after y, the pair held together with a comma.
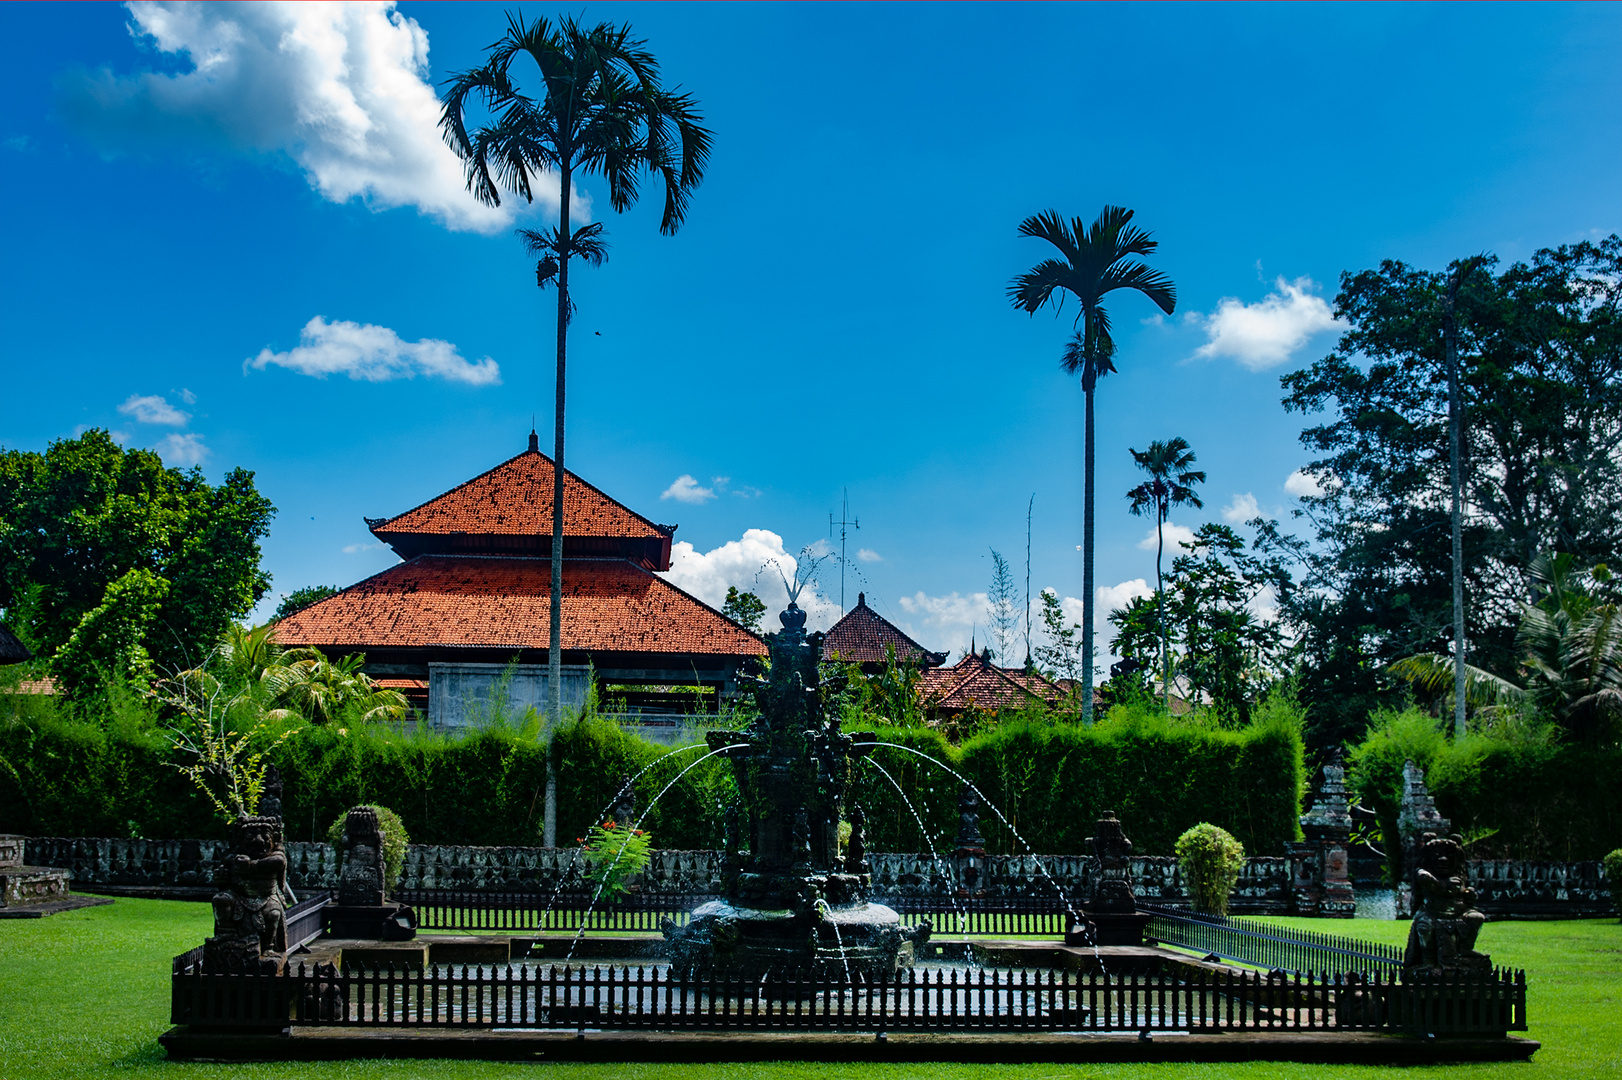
x: 1160, y: 602
x: 1455, y: 425
x: 1089, y: 384
x: 554, y: 651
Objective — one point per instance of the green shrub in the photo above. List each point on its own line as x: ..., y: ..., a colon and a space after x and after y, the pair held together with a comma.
x: 1210, y: 859
x: 1511, y: 782
x: 395, y: 840
x: 1613, y: 877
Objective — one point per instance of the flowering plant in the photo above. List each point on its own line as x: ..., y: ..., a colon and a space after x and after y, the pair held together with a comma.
x: 614, y: 853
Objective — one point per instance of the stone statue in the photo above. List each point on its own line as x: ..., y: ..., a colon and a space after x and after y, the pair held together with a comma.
x: 270, y: 794
x: 1443, y: 935
x: 1113, y: 917
x: 970, y: 852
x: 1321, y: 862
x: 856, y: 850
x: 360, y: 882
x: 249, y: 917
x: 1416, y: 816
x: 363, y: 909
x: 1114, y: 852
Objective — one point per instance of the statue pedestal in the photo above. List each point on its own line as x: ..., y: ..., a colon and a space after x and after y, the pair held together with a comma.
x: 370, y: 922
x: 1109, y: 928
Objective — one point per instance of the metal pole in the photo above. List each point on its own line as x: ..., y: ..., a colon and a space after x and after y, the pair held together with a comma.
x: 1455, y: 424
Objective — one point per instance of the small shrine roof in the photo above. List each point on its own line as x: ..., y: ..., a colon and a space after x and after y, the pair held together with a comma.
x: 976, y: 683
x: 863, y: 635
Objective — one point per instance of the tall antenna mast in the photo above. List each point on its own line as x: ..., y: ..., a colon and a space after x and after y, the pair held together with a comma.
x: 844, y: 520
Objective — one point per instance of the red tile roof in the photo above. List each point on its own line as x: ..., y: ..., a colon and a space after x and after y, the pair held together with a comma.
x: 862, y: 636
x: 610, y: 605
x: 514, y: 499
x: 976, y: 683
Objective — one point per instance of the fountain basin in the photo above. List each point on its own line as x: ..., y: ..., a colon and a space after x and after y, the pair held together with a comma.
x: 861, y: 938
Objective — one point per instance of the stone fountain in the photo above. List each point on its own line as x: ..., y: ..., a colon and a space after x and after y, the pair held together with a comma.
x: 791, y: 901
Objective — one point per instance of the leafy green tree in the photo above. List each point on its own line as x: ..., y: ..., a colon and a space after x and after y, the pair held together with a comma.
x: 1230, y: 653
x: 299, y: 599
x: 1061, y: 656
x: 1539, y: 348
x: 1094, y: 262
x: 1139, y: 637
x: 743, y: 608
x: 87, y: 512
x: 601, y: 110
x: 1171, y: 483
x: 306, y: 683
x: 107, y: 645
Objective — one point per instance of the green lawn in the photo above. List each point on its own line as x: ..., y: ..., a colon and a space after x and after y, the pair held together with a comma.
x: 86, y: 994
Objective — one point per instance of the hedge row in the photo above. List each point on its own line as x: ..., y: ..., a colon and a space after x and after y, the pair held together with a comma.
x: 1515, y: 792
x: 1051, y: 781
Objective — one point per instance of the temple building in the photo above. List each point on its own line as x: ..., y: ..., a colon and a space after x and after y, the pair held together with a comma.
x: 464, y: 620
x: 865, y: 637
x: 975, y: 684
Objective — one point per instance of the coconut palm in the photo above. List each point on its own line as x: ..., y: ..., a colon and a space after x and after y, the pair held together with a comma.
x: 1096, y: 260
x: 1171, y: 483
x: 600, y: 110
x: 1571, y: 652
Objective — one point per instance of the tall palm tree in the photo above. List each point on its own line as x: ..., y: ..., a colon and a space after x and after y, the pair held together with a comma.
x: 1096, y: 260
x: 602, y: 111
x: 1171, y: 483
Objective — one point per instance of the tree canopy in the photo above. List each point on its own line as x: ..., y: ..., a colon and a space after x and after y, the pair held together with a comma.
x: 118, y: 562
x: 1540, y: 348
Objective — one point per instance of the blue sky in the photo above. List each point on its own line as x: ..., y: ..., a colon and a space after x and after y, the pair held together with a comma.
x: 204, y: 208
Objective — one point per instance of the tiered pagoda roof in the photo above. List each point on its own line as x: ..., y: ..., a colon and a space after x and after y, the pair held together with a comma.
x: 974, y: 682
x: 508, y: 511
x: 477, y: 576
x: 864, y: 636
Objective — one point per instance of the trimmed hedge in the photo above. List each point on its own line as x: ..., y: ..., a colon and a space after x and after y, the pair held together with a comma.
x: 1520, y: 792
x: 1051, y: 780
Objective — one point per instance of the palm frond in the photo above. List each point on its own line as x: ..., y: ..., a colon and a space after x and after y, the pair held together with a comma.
x: 1433, y: 673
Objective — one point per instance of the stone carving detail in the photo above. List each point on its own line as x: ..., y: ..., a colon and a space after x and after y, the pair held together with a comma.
x: 1112, y: 917
x: 970, y: 852
x: 360, y: 882
x: 1114, y: 853
x: 1322, y: 863
x: 250, y: 923
x: 1416, y: 817
x: 790, y: 901
x: 1442, y: 938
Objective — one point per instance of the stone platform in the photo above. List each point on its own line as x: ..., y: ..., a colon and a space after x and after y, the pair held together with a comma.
x: 328, y: 1044
x: 29, y: 892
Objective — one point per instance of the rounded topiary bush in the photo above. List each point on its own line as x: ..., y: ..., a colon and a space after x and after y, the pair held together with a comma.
x: 1613, y: 877
x: 1210, y: 859
x: 395, y: 840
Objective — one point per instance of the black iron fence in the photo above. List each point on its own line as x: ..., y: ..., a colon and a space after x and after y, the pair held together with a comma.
x: 1265, y: 945
x: 940, y: 999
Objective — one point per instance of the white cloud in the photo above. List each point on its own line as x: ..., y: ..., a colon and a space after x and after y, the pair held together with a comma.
x: 1301, y: 485
x: 752, y: 565
x: 177, y: 448
x: 949, y: 623
x: 685, y: 489
x: 356, y: 549
x: 188, y: 397
x: 868, y: 555
x: 341, y: 89
x: 1264, y: 334
x: 1175, y: 535
x: 153, y: 409
x: 375, y: 354
x: 1242, y: 509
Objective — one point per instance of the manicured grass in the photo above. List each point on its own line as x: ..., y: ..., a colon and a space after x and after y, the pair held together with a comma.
x: 86, y: 994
